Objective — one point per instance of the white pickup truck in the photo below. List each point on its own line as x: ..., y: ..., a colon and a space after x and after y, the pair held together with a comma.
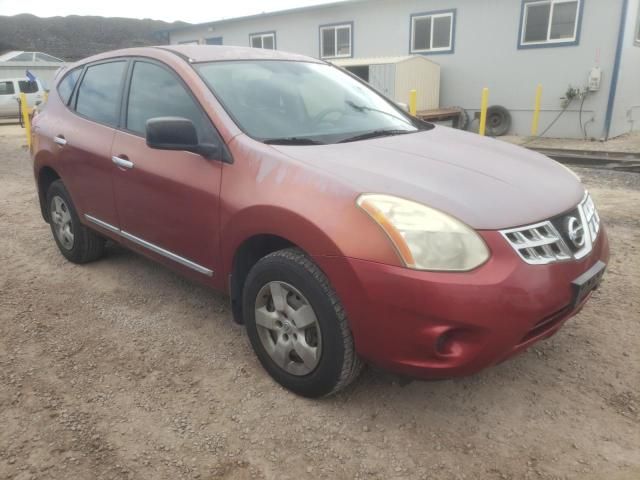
x: 10, y: 89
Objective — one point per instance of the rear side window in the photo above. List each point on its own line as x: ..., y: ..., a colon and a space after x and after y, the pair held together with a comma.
x: 66, y: 85
x: 99, y: 93
x: 27, y: 86
x: 7, y: 88
x: 156, y: 92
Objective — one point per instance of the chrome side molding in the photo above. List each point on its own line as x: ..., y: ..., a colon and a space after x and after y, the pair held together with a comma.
x: 150, y: 246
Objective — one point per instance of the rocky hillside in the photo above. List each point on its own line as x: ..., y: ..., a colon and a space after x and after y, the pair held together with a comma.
x: 75, y: 37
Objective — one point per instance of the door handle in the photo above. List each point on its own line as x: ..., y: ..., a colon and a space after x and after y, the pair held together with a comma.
x: 60, y: 140
x: 121, y: 162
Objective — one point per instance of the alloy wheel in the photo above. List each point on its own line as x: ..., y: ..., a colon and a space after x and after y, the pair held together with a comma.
x: 288, y: 328
x: 61, y: 218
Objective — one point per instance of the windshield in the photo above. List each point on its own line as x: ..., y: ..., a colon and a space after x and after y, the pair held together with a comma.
x: 302, y: 103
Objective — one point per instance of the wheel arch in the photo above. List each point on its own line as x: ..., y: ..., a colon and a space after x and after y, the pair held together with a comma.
x: 246, y: 256
x: 259, y: 231
x: 45, y: 177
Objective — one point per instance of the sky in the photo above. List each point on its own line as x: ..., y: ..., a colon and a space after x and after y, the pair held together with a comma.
x: 194, y: 11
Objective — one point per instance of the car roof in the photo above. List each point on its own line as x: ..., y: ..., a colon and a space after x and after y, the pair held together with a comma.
x: 212, y: 53
x: 203, y: 53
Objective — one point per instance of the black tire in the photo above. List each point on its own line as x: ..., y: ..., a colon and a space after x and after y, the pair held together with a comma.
x: 86, y: 246
x: 498, y: 121
x: 463, y: 119
x: 339, y: 364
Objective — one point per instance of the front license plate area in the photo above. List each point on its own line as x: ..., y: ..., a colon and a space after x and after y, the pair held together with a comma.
x: 587, y: 282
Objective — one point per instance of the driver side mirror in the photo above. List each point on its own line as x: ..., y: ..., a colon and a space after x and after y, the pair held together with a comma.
x: 177, y: 133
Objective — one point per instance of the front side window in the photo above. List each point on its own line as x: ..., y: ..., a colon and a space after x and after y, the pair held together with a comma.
x: 7, y: 88
x: 99, y: 93
x: 301, y: 102
x: 432, y: 32
x: 263, y: 40
x: 335, y: 41
x: 67, y: 84
x: 157, y: 92
x: 27, y: 86
x: 550, y: 22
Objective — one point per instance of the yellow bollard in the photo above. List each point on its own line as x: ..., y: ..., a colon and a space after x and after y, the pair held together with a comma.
x: 24, y: 111
x: 413, y: 102
x: 536, y: 112
x: 483, y: 111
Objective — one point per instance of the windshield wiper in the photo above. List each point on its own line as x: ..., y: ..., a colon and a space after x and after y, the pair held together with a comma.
x: 292, y: 141
x: 365, y: 108
x: 376, y: 133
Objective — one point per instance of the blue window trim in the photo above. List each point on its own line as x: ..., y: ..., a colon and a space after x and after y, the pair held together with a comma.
x: 451, y: 50
x: 636, y: 33
x: 336, y: 24
x: 616, y: 70
x: 269, y: 32
x: 570, y: 43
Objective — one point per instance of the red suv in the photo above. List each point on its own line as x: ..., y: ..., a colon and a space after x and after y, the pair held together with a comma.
x: 343, y: 229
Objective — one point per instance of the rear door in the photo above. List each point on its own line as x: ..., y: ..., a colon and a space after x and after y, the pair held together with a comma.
x: 168, y: 201
x: 84, y: 137
x: 8, y: 99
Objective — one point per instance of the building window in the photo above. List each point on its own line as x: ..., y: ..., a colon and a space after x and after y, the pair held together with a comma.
x: 189, y: 42
x: 432, y: 32
x: 336, y: 40
x: 263, y: 40
x: 550, y: 23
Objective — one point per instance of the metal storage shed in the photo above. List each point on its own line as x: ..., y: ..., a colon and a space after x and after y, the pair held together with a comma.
x: 396, y: 76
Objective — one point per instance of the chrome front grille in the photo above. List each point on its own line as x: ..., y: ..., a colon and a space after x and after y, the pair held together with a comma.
x: 562, y: 238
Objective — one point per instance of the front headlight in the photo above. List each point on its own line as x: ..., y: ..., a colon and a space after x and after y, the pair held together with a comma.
x: 425, y: 238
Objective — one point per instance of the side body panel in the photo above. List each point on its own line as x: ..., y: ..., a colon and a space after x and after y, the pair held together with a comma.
x: 83, y: 163
x: 170, y: 199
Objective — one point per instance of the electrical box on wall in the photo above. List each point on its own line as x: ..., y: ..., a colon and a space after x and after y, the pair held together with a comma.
x: 595, y: 77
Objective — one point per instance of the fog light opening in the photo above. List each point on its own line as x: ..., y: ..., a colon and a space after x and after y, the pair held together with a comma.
x: 446, y: 344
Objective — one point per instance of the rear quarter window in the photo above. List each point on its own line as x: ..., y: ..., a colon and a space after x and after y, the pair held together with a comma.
x: 67, y: 84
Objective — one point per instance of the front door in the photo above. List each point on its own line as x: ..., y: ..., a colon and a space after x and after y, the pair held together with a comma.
x: 167, y: 201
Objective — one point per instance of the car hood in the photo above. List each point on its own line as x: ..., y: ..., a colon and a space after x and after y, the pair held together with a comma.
x: 486, y: 183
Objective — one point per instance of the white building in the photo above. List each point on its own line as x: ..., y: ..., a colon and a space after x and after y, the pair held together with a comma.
x: 509, y: 46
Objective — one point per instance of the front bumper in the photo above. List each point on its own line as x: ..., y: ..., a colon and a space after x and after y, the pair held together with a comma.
x: 435, y: 325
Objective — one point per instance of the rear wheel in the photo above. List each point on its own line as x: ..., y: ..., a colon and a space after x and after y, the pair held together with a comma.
x: 75, y: 241
x: 297, y: 326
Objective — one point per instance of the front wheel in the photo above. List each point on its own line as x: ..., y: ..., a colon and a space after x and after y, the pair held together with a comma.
x: 297, y: 326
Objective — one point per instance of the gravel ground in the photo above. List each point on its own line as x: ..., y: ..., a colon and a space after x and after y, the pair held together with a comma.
x: 121, y: 369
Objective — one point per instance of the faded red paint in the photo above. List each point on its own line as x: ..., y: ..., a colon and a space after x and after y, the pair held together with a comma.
x: 204, y: 210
